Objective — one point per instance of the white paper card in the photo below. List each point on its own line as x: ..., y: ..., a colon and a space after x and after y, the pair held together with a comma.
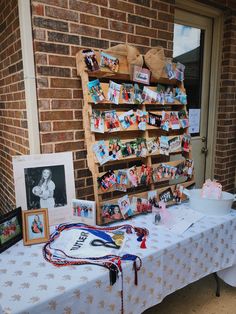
x: 194, y: 120
x: 182, y: 218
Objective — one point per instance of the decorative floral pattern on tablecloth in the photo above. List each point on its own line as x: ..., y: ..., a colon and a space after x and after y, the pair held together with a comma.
x: 31, y: 285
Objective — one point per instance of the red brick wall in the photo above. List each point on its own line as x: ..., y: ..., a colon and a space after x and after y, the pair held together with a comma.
x: 225, y: 161
x: 13, y: 123
x: 60, y: 29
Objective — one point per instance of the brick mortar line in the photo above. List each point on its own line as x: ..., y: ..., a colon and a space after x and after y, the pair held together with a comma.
x: 12, y: 21
x: 12, y: 74
x: 81, y: 35
x: 25, y: 147
x: 13, y: 134
x: 10, y: 34
x: 2, y: 60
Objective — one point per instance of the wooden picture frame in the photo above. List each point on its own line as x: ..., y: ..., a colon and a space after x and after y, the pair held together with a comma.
x: 35, y: 226
x: 10, y: 229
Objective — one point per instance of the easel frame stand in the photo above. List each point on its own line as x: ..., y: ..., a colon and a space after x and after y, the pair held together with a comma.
x: 122, y: 76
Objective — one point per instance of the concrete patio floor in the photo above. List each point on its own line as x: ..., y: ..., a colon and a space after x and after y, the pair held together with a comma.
x: 198, y: 298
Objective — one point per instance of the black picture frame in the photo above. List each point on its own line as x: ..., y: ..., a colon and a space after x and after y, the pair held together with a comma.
x: 10, y: 223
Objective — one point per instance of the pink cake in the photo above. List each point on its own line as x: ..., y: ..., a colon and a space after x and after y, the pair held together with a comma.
x: 211, y: 190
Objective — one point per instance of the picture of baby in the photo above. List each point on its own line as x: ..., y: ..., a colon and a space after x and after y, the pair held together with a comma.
x: 36, y: 226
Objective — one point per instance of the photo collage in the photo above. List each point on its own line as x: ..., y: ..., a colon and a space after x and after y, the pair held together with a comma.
x: 127, y: 207
x: 122, y: 179
x: 117, y: 149
x: 136, y: 94
x: 112, y: 121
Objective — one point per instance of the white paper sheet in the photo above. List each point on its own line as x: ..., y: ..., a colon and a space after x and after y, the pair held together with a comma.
x: 182, y: 217
x: 194, y: 120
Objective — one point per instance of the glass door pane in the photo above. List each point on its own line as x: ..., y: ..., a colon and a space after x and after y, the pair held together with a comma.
x: 188, y: 50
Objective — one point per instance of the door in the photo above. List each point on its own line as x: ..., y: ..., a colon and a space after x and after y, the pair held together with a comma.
x: 192, y: 47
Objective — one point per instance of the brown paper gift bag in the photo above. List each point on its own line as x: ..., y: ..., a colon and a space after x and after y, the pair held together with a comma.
x: 155, y: 61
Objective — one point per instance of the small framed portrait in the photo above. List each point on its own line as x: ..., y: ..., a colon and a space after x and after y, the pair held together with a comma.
x: 35, y: 226
x: 10, y: 229
x: 84, y: 211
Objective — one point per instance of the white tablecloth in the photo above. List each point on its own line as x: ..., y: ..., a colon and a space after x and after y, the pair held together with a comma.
x: 31, y: 285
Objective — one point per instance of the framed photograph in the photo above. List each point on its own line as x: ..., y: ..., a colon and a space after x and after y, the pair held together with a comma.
x: 10, y: 229
x: 35, y: 226
x: 84, y: 211
x: 45, y: 181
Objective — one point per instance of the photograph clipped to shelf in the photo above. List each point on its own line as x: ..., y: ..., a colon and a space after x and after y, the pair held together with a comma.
x: 166, y: 196
x: 114, y: 148
x: 111, y: 212
x: 90, y: 60
x: 174, y: 121
x: 183, y: 118
x: 110, y: 62
x: 101, y: 152
x: 149, y: 95
x: 175, y: 144
x: 179, y: 71
x: 127, y: 119
x: 169, y: 96
x: 97, y: 121
x: 152, y: 199
x: 113, y: 94
x: 165, y: 121
x: 112, y: 123
x: 170, y: 70
x: 141, y: 119
x: 145, y: 175
x: 186, y: 142
x: 127, y: 94
x: 125, y: 207
x: 161, y: 94
x: 138, y: 94
x: 133, y: 176
x: 141, y: 75
x: 188, y: 168
x: 121, y: 180
x: 181, y: 96
x: 164, y: 171
x: 141, y: 150
x: 157, y: 173
x: 140, y: 205
x: 154, y: 119
x: 164, y: 145
x: 178, y: 193
x: 128, y: 148
x: 153, y: 145
x: 95, y: 91
x: 107, y: 180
